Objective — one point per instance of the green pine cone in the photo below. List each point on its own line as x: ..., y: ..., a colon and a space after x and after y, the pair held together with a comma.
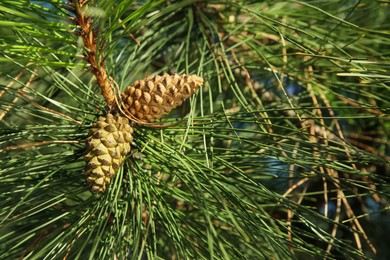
x: 107, y: 144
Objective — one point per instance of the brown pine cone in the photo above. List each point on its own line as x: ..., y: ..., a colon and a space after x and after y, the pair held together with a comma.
x: 107, y: 144
x: 149, y: 99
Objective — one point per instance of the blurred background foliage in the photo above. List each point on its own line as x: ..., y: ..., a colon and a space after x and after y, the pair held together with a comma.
x: 282, y: 154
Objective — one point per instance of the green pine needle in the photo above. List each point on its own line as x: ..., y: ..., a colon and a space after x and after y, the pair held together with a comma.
x: 283, y: 153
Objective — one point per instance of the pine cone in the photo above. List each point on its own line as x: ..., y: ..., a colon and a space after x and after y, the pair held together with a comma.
x: 107, y: 144
x: 148, y: 99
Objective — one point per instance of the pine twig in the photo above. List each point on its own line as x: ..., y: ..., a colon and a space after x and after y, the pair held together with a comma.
x: 89, y: 36
x: 35, y: 144
x: 22, y: 94
x: 16, y: 99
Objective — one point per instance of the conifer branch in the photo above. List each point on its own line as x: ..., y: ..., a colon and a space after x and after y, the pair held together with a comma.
x: 86, y: 30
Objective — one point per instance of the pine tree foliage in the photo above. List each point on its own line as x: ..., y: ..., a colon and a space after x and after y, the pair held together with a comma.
x: 282, y: 153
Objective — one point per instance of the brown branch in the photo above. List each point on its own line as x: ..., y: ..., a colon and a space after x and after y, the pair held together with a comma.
x: 349, y: 211
x: 337, y: 217
x: 35, y: 144
x: 86, y: 30
x: 78, y: 234
x: 11, y: 83
x: 131, y: 35
x: 290, y: 213
x: 16, y: 99
x: 20, y: 92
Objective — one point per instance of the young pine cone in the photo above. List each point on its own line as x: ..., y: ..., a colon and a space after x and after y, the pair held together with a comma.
x: 148, y: 99
x: 107, y: 144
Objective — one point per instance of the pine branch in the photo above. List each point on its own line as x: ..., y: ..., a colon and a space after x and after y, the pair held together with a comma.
x: 86, y: 29
x: 283, y: 153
